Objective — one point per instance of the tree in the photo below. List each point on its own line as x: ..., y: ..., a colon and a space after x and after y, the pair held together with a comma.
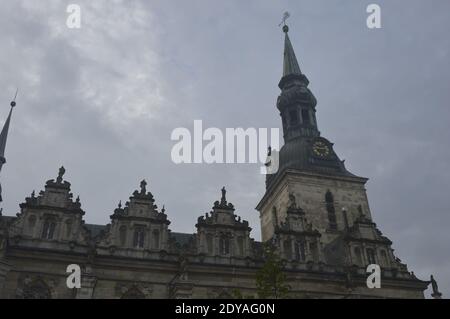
x: 270, y: 279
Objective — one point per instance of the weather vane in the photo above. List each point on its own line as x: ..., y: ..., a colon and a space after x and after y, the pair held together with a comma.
x: 286, y: 16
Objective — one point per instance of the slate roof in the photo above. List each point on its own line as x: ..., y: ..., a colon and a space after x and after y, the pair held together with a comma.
x: 95, y: 230
x: 182, y: 238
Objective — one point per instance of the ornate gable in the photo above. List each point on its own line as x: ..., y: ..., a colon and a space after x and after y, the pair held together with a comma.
x: 222, y: 233
x: 138, y: 226
x: 52, y: 216
x: 141, y: 206
x: 367, y: 245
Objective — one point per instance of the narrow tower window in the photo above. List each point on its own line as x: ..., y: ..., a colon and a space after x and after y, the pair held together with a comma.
x: 329, y: 200
x: 305, y: 117
x: 293, y: 117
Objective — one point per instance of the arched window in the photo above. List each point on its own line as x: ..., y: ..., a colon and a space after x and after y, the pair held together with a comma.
x: 123, y: 235
x: 224, y: 245
x: 48, y: 231
x: 293, y: 116
x: 329, y: 200
x: 305, y: 117
x: 358, y: 256
x: 139, y: 237
x: 155, y: 239
x: 371, y: 256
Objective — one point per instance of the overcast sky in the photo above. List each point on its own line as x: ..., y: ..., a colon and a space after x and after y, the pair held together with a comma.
x: 104, y: 99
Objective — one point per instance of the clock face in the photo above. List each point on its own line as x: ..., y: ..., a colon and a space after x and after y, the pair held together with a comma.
x: 321, y: 149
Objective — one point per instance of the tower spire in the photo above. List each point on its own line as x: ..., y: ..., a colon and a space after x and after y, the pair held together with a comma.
x: 4, y: 137
x: 296, y: 102
x: 291, y: 68
x: 290, y: 63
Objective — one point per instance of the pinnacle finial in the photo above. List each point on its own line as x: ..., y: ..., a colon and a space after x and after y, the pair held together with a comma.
x: 120, y: 204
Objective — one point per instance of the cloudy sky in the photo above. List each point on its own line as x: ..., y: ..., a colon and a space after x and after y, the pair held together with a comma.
x: 103, y: 100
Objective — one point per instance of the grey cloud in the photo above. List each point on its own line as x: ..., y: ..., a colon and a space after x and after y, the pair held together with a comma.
x: 383, y: 99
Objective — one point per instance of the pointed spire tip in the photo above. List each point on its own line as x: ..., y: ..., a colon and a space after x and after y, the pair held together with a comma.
x: 13, y: 103
x: 290, y: 63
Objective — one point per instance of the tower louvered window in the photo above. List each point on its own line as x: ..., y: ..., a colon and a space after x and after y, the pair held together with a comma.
x: 329, y: 200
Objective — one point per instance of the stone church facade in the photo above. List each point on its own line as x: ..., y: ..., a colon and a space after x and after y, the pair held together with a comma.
x: 314, y: 211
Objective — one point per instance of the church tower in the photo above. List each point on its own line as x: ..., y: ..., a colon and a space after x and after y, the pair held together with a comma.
x: 309, y: 168
x: 315, y: 211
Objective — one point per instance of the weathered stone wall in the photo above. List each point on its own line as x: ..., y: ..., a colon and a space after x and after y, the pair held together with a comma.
x: 310, y: 191
x: 112, y: 279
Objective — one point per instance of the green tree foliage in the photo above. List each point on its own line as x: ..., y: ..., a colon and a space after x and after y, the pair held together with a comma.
x: 270, y: 279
